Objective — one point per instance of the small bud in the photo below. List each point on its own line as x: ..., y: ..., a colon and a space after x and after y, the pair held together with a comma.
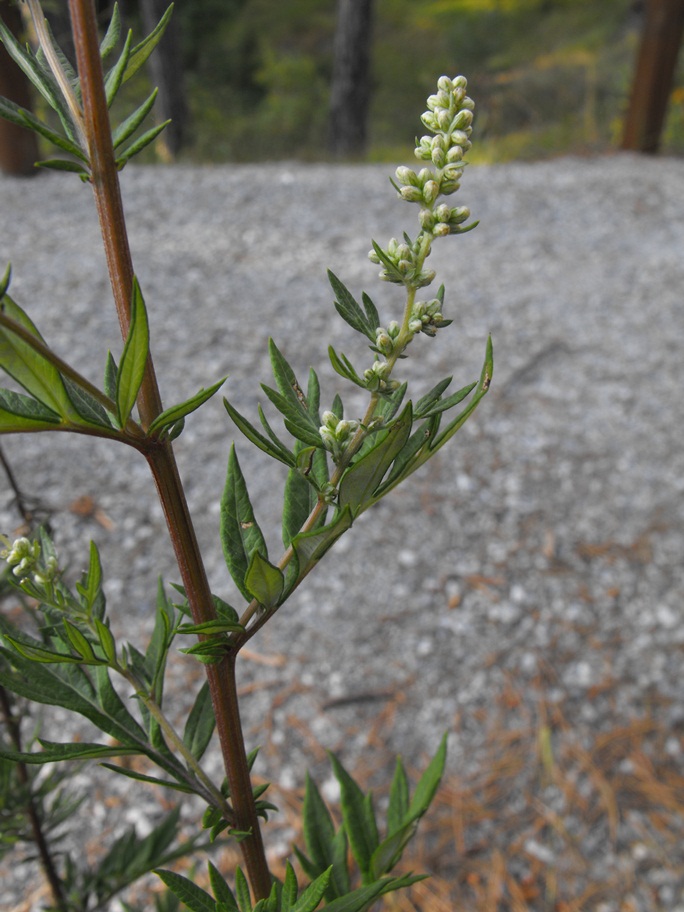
x: 463, y: 119
x: 445, y: 84
x: 441, y: 229
x: 429, y: 120
x: 406, y: 176
x: 430, y: 191
x: 427, y: 219
x: 393, y: 329
x: 415, y: 326
x: 411, y: 194
x: 330, y: 420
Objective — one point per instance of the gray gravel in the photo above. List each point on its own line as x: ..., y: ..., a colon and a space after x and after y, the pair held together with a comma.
x: 548, y: 533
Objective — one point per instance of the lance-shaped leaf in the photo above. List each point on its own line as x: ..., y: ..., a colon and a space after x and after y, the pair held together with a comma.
x: 111, y: 37
x: 115, y: 76
x: 133, y: 358
x: 401, y: 828
x: 301, y: 490
x: 240, y: 533
x: 24, y: 118
x: 200, y: 724
x: 142, y: 51
x: 350, y: 311
x: 222, y: 891
x: 313, y: 894
x: 358, y: 900
x: 177, y: 412
x: 443, y: 405
x: 360, y: 482
x: 264, y: 582
x: 56, y: 753
x: 480, y: 392
x: 128, y: 126
x: 140, y: 143
x: 311, y: 546
x: 242, y: 891
x: 31, y: 369
x: 90, y: 410
x: 22, y: 413
x: 194, y: 897
x: 343, y: 366
x: 325, y: 847
x: 290, y: 399
x: 359, y: 819
x: 276, y: 449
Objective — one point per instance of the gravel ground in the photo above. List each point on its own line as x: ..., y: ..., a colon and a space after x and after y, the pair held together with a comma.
x: 549, y: 533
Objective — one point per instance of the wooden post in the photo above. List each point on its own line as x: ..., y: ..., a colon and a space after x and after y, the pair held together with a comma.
x: 661, y: 37
x: 350, y: 90
x: 18, y: 147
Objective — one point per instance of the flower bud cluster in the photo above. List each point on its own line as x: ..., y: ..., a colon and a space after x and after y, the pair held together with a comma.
x: 404, y: 264
x: 385, y: 338
x: 450, y: 115
x: 23, y: 557
x: 444, y: 219
x: 377, y: 378
x: 336, y: 433
x: 426, y: 317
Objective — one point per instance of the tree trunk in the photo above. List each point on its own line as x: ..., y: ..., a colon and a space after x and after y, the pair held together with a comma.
x: 167, y: 75
x: 18, y: 147
x: 660, y: 40
x: 350, y: 92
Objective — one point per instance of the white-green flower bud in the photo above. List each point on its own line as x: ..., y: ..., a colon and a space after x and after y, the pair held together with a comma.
x: 393, y: 329
x: 459, y: 138
x: 458, y: 215
x: 430, y: 192
x: 441, y: 229
x: 415, y: 326
x: 459, y: 82
x: 454, y: 155
x: 433, y: 102
x: 424, y: 175
x: 445, y: 84
x: 411, y: 194
x: 438, y: 158
x: 427, y: 219
x: 373, y: 257
x: 443, y: 119
x: 383, y: 341
x: 48, y: 574
x: 329, y: 420
x: 442, y: 213
x: 406, y: 176
x: 463, y: 119
x: 429, y: 120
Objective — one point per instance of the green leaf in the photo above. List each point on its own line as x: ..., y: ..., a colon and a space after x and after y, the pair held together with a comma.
x: 153, y: 780
x: 212, y: 628
x: 200, y: 724
x: 140, y: 143
x: 343, y: 366
x: 278, y: 451
x: 443, y: 405
x: 221, y: 890
x: 264, y: 582
x: 22, y: 413
x: 5, y: 281
x: 358, y: 900
x: 242, y: 891
x: 63, y: 164
x: 111, y: 38
x: 399, y: 798
x: 41, y: 654
x: 196, y: 899
x: 115, y: 76
x: 133, y: 358
x: 91, y: 585
x: 57, y: 753
x: 480, y: 392
x: 361, y: 481
x: 359, y: 819
x: 81, y: 645
x: 313, y: 894
x: 107, y: 641
x: 430, y: 398
x: 111, y: 372
x: 240, y: 533
x: 429, y: 782
x: 290, y: 390
x: 348, y: 308
x: 90, y: 411
x: 318, y: 827
x: 176, y: 412
x: 142, y: 51
x: 311, y: 546
x: 31, y: 370
x: 44, y: 82
x: 24, y: 118
x: 301, y: 495
x: 288, y: 896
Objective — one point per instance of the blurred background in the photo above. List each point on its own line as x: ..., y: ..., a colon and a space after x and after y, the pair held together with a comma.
x: 249, y: 80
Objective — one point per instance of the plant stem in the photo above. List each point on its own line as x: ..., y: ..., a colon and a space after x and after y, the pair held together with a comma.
x: 46, y: 860
x: 160, y: 456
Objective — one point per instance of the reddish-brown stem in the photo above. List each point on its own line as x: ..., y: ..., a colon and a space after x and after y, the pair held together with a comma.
x: 159, y: 455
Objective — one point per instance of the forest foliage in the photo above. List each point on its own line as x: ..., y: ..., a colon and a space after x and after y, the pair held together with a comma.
x: 553, y: 76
